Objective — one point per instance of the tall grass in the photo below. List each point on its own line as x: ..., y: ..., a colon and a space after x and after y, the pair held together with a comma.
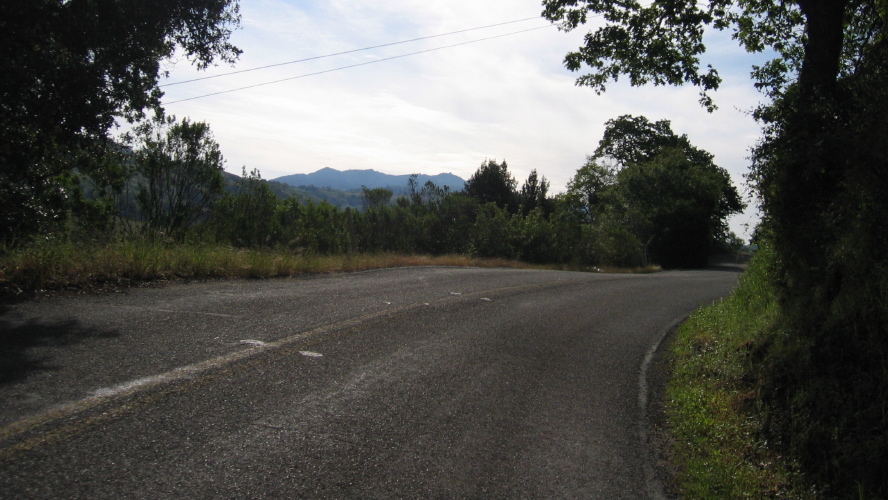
x: 58, y: 265
x: 712, y: 398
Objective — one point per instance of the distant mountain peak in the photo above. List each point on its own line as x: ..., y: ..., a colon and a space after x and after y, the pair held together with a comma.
x: 354, y: 179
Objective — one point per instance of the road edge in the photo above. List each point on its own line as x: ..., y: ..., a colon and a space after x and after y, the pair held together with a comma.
x: 653, y: 431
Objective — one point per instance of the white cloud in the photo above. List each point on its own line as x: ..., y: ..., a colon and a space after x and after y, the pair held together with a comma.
x: 442, y: 111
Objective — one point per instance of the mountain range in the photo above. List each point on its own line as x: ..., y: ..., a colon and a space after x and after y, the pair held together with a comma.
x: 348, y: 180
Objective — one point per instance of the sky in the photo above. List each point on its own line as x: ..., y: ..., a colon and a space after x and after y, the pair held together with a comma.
x: 508, y: 98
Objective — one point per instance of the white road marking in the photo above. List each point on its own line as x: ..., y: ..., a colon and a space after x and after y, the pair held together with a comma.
x: 107, y: 392
x: 173, y: 311
x: 220, y: 315
x: 195, y: 370
x: 252, y: 342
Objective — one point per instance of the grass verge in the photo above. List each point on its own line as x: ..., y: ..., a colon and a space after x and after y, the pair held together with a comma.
x: 712, y: 402
x: 59, y: 266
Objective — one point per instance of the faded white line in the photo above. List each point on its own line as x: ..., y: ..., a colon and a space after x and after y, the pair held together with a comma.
x: 128, y: 388
x: 220, y: 315
x: 131, y: 387
x: 175, y: 311
x: 251, y: 342
x: 107, y: 392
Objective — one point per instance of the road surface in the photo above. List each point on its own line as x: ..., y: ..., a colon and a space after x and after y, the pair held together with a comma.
x: 402, y: 383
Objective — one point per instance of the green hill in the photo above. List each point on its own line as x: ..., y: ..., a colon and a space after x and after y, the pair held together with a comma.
x: 336, y: 197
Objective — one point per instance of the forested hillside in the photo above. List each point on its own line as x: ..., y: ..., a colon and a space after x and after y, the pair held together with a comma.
x: 339, y: 198
x: 350, y: 180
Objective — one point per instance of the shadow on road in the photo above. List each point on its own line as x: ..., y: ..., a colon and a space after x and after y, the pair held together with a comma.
x: 27, y: 348
x: 728, y: 262
x: 732, y: 268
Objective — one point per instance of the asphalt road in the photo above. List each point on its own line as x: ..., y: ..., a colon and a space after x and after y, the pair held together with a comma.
x: 402, y: 383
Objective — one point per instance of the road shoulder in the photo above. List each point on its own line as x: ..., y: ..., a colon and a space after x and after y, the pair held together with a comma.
x: 660, y: 442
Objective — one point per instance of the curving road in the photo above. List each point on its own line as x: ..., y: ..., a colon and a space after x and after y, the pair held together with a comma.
x: 401, y: 383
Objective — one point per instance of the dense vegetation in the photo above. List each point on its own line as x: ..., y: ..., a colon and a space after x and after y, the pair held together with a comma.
x: 73, y: 67
x: 711, y: 399
x: 818, y: 370
x: 170, y: 186
x: 64, y: 178
x: 164, y: 182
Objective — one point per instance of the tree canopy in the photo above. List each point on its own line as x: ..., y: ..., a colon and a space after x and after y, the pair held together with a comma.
x: 73, y: 67
x: 376, y: 197
x: 179, y: 170
x: 667, y: 193
x: 814, y: 41
x: 493, y: 183
x: 678, y: 207
x: 534, y: 193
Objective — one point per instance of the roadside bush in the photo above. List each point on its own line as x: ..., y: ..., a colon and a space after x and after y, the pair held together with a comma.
x: 536, y: 240
x: 248, y: 218
x: 493, y: 233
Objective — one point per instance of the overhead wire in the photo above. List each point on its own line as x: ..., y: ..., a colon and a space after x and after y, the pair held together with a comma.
x: 347, y: 52
x: 351, y: 65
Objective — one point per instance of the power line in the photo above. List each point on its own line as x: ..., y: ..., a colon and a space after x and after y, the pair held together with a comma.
x: 347, y: 52
x: 356, y: 65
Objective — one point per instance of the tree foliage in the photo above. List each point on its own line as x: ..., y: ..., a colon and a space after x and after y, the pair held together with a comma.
x: 821, y: 173
x: 376, y: 197
x: 248, y: 217
x: 635, y: 139
x: 72, y: 67
x: 493, y: 183
x: 678, y: 206
x: 661, y: 43
x: 588, y: 189
x: 534, y: 193
x: 654, y: 184
x: 179, y: 171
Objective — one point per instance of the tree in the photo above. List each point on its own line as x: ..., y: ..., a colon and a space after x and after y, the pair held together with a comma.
x: 493, y: 233
x: 72, y: 67
x: 820, y: 171
x: 375, y: 198
x: 674, y: 207
x: 635, y: 139
x: 492, y: 183
x: 588, y: 189
x: 533, y: 193
x: 248, y: 217
x: 179, y: 167
x: 431, y: 194
x: 630, y: 140
x: 815, y: 42
x: 669, y: 194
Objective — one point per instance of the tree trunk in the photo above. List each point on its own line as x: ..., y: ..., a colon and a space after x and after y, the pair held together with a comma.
x: 823, y: 49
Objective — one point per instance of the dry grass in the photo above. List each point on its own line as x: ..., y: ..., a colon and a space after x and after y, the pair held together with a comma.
x: 60, y: 266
